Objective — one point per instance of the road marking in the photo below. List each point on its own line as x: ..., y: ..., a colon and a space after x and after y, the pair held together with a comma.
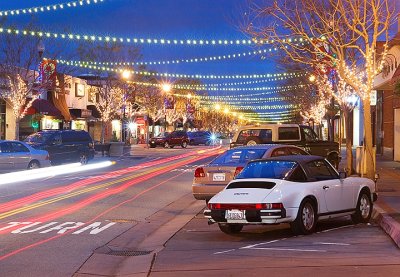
x: 226, y: 251
x: 288, y: 249
x: 334, y: 229
x: 331, y: 243
x: 254, y: 245
x: 93, y: 228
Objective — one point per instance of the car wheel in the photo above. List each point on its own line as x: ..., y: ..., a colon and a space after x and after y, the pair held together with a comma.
x: 83, y: 159
x: 230, y: 228
x: 306, y: 219
x: 364, y: 208
x: 184, y: 144
x: 33, y: 165
x: 166, y: 144
x: 152, y: 146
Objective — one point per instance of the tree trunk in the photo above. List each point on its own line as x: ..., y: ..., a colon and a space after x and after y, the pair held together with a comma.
x: 17, y: 120
x: 368, y: 147
x: 349, y: 142
x: 102, y: 132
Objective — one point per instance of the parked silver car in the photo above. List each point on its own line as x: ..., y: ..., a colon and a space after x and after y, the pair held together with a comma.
x: 17, y: 155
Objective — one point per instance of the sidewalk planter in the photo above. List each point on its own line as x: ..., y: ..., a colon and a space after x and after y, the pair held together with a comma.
x: 116, y: 149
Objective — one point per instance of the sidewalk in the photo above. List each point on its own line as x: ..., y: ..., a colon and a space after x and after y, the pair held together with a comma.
x: 387, y: 208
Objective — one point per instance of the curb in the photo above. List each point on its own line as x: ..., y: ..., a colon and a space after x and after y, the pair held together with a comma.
x: 387, y: 223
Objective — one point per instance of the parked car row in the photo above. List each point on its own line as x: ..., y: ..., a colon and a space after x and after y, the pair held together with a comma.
x: 45, y: 148
x: 272, y: 184
x: 183, y: 139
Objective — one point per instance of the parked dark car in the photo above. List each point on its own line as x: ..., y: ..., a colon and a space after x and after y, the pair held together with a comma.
x: 64, y: 145
x: 169, y: 140
x: 200, y: 137
x: 294, y: 134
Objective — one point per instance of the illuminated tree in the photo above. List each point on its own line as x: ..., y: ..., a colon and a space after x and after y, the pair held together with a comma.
x: 340, y: 34
x: 109, y: 100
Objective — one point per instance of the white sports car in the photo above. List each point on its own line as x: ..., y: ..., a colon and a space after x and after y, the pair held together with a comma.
x: 290, y: 189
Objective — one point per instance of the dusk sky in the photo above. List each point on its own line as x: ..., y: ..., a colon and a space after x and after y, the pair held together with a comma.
x: 170, y: 19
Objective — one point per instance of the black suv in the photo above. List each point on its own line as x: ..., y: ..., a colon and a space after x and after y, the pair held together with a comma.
x: 64, y: 145
x: 300, y: 135
x: 170, y: 140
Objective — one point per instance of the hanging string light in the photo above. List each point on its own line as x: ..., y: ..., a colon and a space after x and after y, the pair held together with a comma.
x: 48, y: 8
x: 135, y: 40
x: 177, y: 61
x: 267, y: 90
x: 272, y: 76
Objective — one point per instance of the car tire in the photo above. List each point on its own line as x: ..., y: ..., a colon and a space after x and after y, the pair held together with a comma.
x: 152, y: 146
x: 306, y: 219
x: 363, y: 209
x: 33, y: 165
x: 253, y: 141
x: 230, y: 228
x: 166, y: 144
x: 83, y: 159
x: 184, y: 144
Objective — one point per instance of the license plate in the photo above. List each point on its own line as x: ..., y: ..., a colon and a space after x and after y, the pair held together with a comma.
x: 219, y: 177
x: 234, y: 215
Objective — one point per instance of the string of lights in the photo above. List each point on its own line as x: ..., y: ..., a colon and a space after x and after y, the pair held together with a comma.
x: 271, y: 76
x: 177, y: 61
x: 47, y: 8
x: 204, y: 87
x: 141, y: 41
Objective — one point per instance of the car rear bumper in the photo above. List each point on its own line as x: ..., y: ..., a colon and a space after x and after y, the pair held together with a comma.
x: 251, y: 216
x: 206, y: 192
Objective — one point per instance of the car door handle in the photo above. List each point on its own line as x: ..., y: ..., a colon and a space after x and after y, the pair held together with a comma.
x: 325, y: 187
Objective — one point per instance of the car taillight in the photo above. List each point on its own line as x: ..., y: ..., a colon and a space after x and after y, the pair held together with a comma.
x: 257, y: 206
x: 199, y: 172
x: 47, y: 157
x: 91, y: 145
x: 237, y: 170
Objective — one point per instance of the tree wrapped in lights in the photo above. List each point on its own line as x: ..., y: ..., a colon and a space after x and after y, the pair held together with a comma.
x: 109, y: 100
x: 19, y: 95
x: 343, y: 33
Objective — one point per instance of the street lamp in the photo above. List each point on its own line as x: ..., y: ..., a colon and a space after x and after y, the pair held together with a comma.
x: 166, y: 88
x: 126, y: 75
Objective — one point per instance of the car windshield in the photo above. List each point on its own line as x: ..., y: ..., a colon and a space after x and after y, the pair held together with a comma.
x: 239, y: 156
x: 38, y: 138
x: 267, y: 169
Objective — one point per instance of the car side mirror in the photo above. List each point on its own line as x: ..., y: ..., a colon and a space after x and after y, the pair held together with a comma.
x: 342, y: 175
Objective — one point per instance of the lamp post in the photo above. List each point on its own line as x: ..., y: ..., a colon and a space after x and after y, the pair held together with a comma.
x: 166, y: 88
x: 126, y: 75
x: 40, y: 49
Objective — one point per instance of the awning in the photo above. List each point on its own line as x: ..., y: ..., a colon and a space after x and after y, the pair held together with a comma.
x: 43, y: 106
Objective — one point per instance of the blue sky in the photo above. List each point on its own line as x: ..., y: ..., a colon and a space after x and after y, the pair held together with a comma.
x: 180, y: 19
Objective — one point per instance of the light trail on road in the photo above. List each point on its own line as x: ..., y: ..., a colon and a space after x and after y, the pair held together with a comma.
x: 22, y: 202
x: 129, y: 182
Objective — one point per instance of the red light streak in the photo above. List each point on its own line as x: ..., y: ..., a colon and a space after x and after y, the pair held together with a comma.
x: 61, y: 190
x: 98, y: 197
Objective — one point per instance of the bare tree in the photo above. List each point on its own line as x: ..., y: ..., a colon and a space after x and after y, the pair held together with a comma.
x: 340, y: 34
